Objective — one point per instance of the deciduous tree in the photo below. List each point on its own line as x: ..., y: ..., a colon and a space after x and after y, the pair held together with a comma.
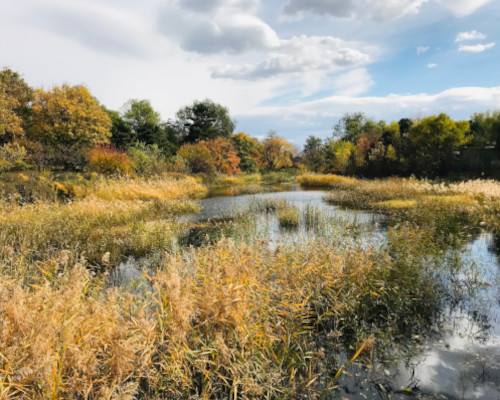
x: 15, y: 98
x: 204, y: 120
x: 278, y: 152
x: 435, y: 139
x: 69, y: 116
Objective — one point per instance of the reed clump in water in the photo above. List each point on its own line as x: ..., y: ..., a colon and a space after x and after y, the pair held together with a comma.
x: 288, y: 216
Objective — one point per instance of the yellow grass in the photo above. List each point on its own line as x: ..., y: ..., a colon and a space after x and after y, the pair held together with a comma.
x: 396, y: 204
x: 226, y: 321
x: 313, y: 180
x: 122, y: 218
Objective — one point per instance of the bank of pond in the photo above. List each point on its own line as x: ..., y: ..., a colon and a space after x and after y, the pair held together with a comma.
x: 327, y: 287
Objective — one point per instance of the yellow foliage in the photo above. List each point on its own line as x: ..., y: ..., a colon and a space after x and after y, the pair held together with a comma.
x: 69, y: 115
x: 277, y: 153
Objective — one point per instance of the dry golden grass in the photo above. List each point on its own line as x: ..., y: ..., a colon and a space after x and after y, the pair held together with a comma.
x: 121, y: 218
x: 315, y: 180
x: 61, y: 340
x: 157, y: 189
x: 224, y: 321
x: 472, y: 202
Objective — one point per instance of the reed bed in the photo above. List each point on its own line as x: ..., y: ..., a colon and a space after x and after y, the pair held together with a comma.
x: 116, y: 219
x: 223, y: 321
x: 473, y: 203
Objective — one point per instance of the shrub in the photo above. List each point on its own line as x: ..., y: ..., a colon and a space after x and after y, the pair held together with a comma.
x: 109, y: 161
x: 147, y: 159
x: 12, y: 157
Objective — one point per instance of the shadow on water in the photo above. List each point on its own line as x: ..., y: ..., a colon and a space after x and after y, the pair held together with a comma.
x: 453, y: 353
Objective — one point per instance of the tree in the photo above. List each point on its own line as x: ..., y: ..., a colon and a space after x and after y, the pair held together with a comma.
x: 15, y: 98
x: 204, y: 120
x: 69, y: 116
x: 224, y: 156
x: 314, y: 154
x: 137, y: 113
x: 484, y: 129
x: 122, y: 135
x: 350, y: 127
x: 434, y: 140
x: 340, y: 156
x: 211, y: 156
x: 277, y: 152
x: 147, y: 127
x: 405, y: 125
x: 249, y: 150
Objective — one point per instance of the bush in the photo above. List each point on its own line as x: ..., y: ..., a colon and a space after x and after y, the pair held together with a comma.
x: 12, y: 157
x: 109, y: 161
x: 147, y: 159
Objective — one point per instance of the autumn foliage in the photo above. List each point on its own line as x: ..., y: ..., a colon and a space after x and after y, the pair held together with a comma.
x: 108, y: 161
x: 211, y: 156
x: 69, y: 115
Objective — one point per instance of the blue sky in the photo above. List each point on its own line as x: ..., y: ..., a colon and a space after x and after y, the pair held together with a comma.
x: 294, y: 66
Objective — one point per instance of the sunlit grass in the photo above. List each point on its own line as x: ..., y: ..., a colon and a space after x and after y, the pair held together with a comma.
x: 470, y: 203
x: 225, y: 321
x: 121, y: 218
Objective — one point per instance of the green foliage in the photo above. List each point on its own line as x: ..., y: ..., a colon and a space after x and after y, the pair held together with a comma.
x: 339, y: 155
x: 122, y: 135
x: 146, y: 127
x: 485, y: 129
x: 138, y: 113
x: 350, y: 127
x: 435, y: 139
x: 313, y: 154
x: 147, y: 159
x: 204, y: 120
x: 249, y: 150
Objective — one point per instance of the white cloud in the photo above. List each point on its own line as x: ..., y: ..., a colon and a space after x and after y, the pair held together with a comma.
x: 422, y: 49
x: 97, y: 26
x: 379, y: 10
x: 471, y: 35
x: 353, y: 83
x: 225, y: 30
x: 476, y: 48
x: 431, y: 65
x: 299, y: 54
x: 215, y: 6
x: 461, y: 8
x: 375, y: 9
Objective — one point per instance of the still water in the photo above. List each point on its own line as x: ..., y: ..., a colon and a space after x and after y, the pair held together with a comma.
x: 456, y: 358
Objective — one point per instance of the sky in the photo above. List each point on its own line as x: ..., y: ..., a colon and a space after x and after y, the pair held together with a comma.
x: 293, y: 66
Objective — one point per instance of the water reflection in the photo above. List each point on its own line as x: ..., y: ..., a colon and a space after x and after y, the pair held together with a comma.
x: 457, y: 357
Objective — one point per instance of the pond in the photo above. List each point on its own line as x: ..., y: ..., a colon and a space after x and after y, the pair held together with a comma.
x: 457, y: 356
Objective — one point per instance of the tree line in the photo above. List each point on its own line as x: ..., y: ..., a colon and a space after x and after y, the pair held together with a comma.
x: 67, y: 128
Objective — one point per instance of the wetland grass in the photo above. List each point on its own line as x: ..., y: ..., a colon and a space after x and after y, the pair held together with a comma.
x: 227, y: 321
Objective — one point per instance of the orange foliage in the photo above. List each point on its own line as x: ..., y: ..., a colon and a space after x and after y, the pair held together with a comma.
x: 107, y: 160
x: 224, y: 156
x: 211, y: 156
